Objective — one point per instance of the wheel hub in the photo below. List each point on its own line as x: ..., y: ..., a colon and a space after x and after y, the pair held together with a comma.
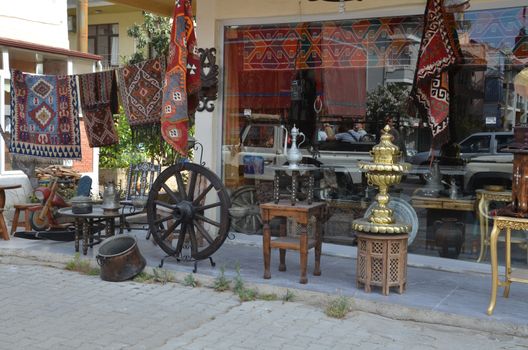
x: 184, y: 211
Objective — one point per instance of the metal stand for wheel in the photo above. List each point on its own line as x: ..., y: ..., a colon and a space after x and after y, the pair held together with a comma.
x: 186, y: 258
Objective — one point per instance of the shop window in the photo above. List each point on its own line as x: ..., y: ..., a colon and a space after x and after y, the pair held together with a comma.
x: 327, y: 76
x: 103, y: 40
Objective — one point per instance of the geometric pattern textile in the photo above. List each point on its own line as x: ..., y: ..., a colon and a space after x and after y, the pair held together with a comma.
x: 98, y: 93
x: 140, y: 88
x: 182, y: 78
x: 45, y: 121
x: 439, y: 51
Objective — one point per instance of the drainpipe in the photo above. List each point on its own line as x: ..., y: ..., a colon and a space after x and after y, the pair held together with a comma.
x: 82, y: 25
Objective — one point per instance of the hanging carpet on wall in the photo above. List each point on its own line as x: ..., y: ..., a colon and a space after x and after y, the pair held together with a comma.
x: 140, y: 88
x: 98, y: 93
x: 182, y: 81
x: 45, y: 116
x: 439, y: 51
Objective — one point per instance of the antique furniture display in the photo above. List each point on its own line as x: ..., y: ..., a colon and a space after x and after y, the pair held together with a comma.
x: 484, y: 198
x: 454, y: 208
x: 294, y: 173
x: 503, y: 223
x: 310, y: 218
x: 4, y: 233
x: 382, y: 262
x: 382, y: 239
x: 88, y: 224
x: 22, y: 208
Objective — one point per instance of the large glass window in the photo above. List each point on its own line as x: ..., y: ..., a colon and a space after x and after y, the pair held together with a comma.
x: 103, y: 40
x: 338, y: 79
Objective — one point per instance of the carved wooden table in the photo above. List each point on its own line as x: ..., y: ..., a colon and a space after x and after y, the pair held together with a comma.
x: 86, y: 225
x: 484, y: 197
x: 381, y: 261
x: 294, y: 173
x: 307, y: 216
x: 501, y: 223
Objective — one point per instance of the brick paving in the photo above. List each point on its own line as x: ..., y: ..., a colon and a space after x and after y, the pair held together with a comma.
x: 50, y: 308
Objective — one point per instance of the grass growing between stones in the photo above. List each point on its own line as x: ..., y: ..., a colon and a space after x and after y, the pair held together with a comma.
x: 338, y: 307
x: 288, y: 296
x: 82, y: 266
x: 158, y: 275
x: 267, y: 297
x: 190, y: 281
x: 221, y: 283
x: 244, y: 294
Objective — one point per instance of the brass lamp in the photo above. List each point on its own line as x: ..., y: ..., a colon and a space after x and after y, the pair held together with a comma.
x: 384, y: 171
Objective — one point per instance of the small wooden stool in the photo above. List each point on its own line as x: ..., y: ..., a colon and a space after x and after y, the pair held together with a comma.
x: 381, y: 261
x: 26, y: 209
x: 304, y: 215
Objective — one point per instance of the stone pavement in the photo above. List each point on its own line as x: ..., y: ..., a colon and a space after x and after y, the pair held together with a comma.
x: 49, y: 308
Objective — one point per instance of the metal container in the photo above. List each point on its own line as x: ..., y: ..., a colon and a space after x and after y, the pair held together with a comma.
x: 81, y: 205
x: 120, y: 259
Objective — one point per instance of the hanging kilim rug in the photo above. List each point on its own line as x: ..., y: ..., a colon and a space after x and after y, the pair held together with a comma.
x: 98, y: 93
x: 45, y: 120
x: 439, y: 51
x: 140, y: 87
x: 182, y: 80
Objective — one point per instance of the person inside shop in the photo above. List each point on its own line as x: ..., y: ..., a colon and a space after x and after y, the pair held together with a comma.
x: 396, y: 137
x: 325, y: 133
x: 352, y: 135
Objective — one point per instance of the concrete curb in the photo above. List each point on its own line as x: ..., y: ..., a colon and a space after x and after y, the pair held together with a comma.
x: 392, y: 311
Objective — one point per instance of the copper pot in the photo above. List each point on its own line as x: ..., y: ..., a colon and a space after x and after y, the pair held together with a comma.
x: 120, y: 259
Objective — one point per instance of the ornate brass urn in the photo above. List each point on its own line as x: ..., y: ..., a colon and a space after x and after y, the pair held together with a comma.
x: 384, y: 171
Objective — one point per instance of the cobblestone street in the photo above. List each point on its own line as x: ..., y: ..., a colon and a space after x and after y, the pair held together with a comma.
x: 51, y: 308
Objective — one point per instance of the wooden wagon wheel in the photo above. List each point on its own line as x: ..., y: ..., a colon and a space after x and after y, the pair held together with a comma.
x: 188, y: 202
x: 246, y: 198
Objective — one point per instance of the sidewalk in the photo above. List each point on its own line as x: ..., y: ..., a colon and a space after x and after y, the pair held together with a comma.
x: 439, y: 291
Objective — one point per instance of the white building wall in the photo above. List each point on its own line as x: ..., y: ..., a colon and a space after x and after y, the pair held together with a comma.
x: 39, y: 21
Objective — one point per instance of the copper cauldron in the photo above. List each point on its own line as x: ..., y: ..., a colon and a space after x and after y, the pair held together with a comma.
x: 120, y: 259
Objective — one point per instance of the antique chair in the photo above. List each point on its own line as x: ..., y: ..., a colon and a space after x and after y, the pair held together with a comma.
x: 139, y: 180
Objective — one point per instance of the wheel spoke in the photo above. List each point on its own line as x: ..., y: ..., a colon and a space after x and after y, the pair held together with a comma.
x: 203, y: 194
x: 181, y: 238
x: 181, y: 185
x: 209, y: 221
x: 209, y: 206
x: 162, y: 220
x: 171, y: 193
x: 192, y: 185
x: 204, y: 233
x: 194, y: 242
x: 170, y: 229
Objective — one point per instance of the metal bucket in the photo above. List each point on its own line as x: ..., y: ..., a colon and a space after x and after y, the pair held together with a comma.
x: 120, y: 259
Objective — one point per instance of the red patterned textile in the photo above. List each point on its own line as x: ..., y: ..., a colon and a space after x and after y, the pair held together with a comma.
x: 182, y: 80
x: 140, y: 87
x: 45, y: 120
x: 98, y: 93
x: 439, y: 51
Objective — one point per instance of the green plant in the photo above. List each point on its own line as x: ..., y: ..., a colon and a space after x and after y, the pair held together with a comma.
x: 144, y: 277
x: 288, y: 296
x: 221, y: 283
x: 267, y: 297
x: 190, y: 281
x: 163, y: 276
x: 82, y: 266
x: 338, y: 308
x: 124, y: 153
x: 245, y: 294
